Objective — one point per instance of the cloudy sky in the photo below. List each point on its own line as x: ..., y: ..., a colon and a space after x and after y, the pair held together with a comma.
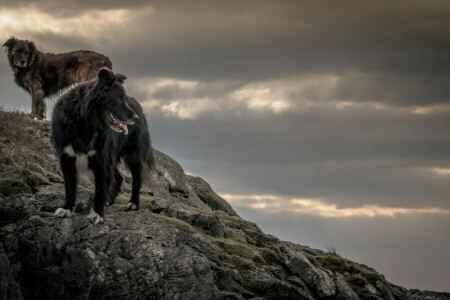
x: 327, y: 123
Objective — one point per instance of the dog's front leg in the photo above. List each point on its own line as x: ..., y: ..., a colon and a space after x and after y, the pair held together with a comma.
x: 115, y: 189
x: 135, y: 165
x: 37, y: 102
x: 103, y: 182
x: 69, y: 171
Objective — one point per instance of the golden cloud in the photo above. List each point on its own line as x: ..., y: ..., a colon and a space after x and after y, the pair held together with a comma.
x: 321, y: 208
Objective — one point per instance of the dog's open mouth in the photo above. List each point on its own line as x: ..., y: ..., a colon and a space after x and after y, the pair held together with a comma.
x: 118, y: 125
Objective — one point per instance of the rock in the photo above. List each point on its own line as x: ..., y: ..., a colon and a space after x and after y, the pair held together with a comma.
x: 277, y: 289
x: 261, y: 239
x: 172, y: 172
x: 206, y: 223
x: 157, y: 205
x: 344, y: 291
x: 299, y: 264
x: 373, y: 290
x: 207, y: 195
x: 426, y: 295
x: 384, y: 290
x: 134, y: 255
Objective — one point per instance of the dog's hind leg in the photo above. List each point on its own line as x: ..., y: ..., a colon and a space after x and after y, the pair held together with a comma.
x: 135, y: 166
x: 69, y: 171
x: 116, y: 186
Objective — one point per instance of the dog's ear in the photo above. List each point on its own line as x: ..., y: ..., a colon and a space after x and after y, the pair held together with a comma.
x: 10, y: 43
x: 106, y: 78
x: 31, y: 46
x: 33, y: 51
x: 121, y: 78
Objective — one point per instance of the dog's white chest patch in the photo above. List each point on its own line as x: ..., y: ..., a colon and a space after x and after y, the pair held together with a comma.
x: 82, y: 162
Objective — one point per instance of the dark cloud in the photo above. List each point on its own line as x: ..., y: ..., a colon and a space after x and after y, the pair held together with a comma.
x: 209, y: 40
x: 351, y: 157
x: 387, y: 88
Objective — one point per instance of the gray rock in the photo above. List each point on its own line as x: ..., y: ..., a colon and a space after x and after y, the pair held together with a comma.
x: 426, y: 295
x: 344, y: 291
x: 261, y: 239
x: 385, y: 291
x: 277, y: 289
x: 373, y: 290
x: 205, y: 222
x: 207, y: 195
x: 134, y: 255
x: 158, y: 205
x: 172, y: 171
x: 317, y: 278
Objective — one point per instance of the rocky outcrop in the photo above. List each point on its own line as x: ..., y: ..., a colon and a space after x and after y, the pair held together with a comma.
x: 186, y: 242
x: 207, y: 195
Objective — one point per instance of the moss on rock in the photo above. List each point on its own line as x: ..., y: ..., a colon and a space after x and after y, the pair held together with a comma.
x: 238, y: 220
x: 178, y: 223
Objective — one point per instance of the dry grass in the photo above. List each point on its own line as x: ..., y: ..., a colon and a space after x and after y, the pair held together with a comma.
x: 25, y: 154
x: 237, y: 220
x: 177, y: 223
x: 357, y: 276
x: 124, y: 197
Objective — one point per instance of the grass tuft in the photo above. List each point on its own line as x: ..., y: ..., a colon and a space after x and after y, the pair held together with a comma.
x: 178, y: 223
x: 235, y: 248
x: 144, y: 200
x: 270, y: 256
x: 233, y: 235
x: 356, y: 276
x: 238, y: 220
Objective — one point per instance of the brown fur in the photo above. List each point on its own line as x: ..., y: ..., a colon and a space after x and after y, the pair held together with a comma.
x: 44, y: 74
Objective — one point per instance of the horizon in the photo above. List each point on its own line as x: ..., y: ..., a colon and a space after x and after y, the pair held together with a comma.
x: 325, y: 123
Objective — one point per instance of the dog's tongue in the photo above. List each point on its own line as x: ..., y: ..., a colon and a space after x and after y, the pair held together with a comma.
x: 124, y: 128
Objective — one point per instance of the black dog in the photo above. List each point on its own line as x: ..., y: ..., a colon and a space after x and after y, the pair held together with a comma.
x: 96, y: 123
x: 44, y: 74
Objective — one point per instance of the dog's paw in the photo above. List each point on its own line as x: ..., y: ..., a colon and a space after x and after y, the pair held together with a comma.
x: 131, y: 206
x: 109, y: 203
x: 62, y: 213
x: 95, y: 218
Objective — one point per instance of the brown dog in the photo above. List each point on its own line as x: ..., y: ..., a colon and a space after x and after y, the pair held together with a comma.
x: 44, y: 74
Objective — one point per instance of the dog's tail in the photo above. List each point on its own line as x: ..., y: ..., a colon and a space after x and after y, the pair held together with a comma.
x: 149, y: 165
x: 150, y: 159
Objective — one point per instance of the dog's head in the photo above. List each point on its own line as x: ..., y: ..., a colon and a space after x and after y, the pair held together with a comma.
x: 21, y: 53
x: 115, y: 110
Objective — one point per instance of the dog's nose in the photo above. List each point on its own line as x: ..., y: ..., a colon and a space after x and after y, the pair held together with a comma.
x: 135, y: 117
x: 23, y: 61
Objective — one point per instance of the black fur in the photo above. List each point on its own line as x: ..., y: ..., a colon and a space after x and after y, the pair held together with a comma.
x: 44, y: 74
x: 81, y: 120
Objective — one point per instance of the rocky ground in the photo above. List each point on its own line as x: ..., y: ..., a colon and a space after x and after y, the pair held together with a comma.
x: 186, y: 242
